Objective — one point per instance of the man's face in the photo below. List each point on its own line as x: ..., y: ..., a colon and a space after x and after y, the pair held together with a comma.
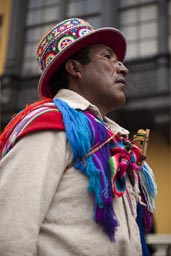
x: 103, y: 79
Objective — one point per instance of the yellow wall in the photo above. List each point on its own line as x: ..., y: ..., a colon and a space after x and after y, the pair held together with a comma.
x: 159, y: 158
x: 5, y: 8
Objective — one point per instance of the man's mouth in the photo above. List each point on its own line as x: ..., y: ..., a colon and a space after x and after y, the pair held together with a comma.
x: 121, y: 81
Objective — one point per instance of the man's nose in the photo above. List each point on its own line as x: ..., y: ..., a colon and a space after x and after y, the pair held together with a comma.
x: 122, y: 68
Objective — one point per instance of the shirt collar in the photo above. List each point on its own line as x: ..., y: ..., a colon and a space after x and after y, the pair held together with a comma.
x: 76, y: 101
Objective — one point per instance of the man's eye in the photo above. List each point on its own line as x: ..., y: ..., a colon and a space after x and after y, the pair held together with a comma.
x: 107, y: 56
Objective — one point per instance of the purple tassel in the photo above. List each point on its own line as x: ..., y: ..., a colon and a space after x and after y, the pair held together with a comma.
x: 110, y: 222
x: 147, y: 219
x: 99, y: 215
x: 147, y: 215
x: 105, y: 214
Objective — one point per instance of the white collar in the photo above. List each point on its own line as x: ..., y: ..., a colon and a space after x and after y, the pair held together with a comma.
x: 76, y: 101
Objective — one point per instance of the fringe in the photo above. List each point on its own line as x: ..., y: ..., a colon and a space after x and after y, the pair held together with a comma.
x: 83, y: 132
x: 141, y: 229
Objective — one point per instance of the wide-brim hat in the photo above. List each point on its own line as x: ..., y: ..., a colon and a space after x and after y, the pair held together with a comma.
x: 67, y: 38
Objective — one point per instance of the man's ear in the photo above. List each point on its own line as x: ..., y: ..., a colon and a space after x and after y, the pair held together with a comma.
x: 73, y: 67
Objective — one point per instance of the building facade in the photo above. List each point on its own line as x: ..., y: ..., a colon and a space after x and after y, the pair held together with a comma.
x: 146, y: 24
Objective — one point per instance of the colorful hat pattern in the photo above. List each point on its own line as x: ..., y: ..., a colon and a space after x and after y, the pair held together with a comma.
x: 60, y: 37
x: 67, y: 38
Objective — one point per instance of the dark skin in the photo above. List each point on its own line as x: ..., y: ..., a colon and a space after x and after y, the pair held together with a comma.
x: 101, y: 81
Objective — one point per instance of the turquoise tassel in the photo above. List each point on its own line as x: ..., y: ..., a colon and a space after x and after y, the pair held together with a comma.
x: 79, y: 135
x: 148, y: 186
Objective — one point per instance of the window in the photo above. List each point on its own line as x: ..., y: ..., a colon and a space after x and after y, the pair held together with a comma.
x: 83, y: 7
x: 86, y: 9
x: 138, y: 21
x: 43, y: 14
x: 169, y: 20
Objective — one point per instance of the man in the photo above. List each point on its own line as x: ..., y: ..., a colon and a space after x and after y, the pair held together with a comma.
x: 71, y: 181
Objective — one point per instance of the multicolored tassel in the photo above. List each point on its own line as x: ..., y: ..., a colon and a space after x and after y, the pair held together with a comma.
x: 105, y: 167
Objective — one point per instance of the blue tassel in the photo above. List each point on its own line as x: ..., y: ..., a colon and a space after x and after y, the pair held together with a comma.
x: 77, y: 129
x: 145, y: 251
x: 148, y: 186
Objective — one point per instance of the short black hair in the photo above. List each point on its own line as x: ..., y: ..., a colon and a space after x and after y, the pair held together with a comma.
x: 61, y: 77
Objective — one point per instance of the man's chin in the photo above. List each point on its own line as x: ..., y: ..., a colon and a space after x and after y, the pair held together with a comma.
x: 121, y: 103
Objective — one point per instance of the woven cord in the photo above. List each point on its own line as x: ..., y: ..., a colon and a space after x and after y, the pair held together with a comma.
x: 92, y: 151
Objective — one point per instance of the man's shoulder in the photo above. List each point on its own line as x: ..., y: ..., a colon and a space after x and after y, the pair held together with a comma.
x: 35, y: 117
x: 46, y: 117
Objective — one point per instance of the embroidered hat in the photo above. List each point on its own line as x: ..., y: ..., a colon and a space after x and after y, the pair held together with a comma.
x: 67, y: 38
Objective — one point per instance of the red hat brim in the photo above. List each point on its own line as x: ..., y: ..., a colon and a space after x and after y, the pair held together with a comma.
x: 107, y: 36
